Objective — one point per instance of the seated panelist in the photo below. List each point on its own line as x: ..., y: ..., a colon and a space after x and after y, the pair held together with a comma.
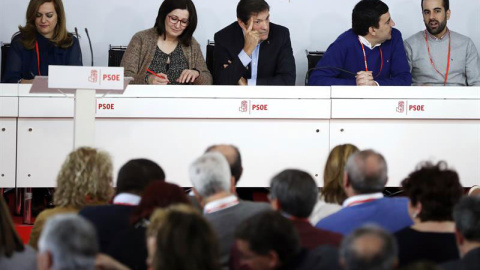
x: 43, y: 41
x: 168, y: 53
x: 252, y: 50
x: 369, y: 54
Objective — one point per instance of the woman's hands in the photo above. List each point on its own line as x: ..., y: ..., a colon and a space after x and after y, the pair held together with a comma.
x: 160, y: 79
x: 188, y: 76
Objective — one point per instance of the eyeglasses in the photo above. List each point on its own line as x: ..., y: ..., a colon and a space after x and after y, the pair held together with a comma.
x: 175, y: 20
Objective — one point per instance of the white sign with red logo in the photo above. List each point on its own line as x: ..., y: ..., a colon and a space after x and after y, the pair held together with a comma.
x: 73, y: 77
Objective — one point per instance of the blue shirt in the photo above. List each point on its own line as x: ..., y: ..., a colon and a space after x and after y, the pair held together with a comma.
x: 23, y: 63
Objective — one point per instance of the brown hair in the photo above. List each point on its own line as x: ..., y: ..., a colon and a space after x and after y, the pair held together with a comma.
x: 332, y: 191
x: 85, y: 173
x: 61, y: 37
x: 9, y: 240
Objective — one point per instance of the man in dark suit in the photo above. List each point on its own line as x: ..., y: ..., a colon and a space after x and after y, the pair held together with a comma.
x: 132, y: 180
x: 467, y: 223
x: 253, y: 51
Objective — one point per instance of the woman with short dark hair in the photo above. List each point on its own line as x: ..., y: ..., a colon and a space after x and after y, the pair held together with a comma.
x: 433, y: 191
x: 43, y: 41
x: 168, y: 53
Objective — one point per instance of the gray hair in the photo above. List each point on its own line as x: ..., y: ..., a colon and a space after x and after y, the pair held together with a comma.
x: 210, y: 174
x: 72, y: 241
x: 467, y: 218
x: 296, y: 191
x: 367, y: 171
x: 356, y: 256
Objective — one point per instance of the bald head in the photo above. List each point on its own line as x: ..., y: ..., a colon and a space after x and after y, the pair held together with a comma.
x: 367, y: 172
x: 232, y: 154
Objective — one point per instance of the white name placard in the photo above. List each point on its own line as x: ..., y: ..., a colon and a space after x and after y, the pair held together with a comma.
x: 74, y: 77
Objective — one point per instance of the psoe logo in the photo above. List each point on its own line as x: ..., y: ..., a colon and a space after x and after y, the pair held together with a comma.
x: 401, y: 107
x: 93, y: 76
x: 243, y: 106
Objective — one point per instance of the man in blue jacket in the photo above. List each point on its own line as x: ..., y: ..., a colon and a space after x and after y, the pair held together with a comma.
x: 369, y: 54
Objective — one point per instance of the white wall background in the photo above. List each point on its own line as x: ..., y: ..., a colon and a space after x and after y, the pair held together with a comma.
x: 313, y: 24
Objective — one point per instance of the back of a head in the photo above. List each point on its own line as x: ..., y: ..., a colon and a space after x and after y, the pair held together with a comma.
x: 232, y: 154
x: 369, y: 248
x: 467, y: 218
x: 296, y: 192
x: 86, y: 172
x: 367, y: 171
x: 367, y: 14
x: 270, y: 231
x: 246, y: 8
x: 71, y: 240
x: 185, y: 241
x: 437, y: 188
x: 9, y: 240
x: 332, y: 191
x: 210, y: 174
x: 137, y: 174
x: 158, y: 194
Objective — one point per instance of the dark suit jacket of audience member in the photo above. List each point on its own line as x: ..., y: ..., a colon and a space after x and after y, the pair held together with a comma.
x: 130, y: 247
x: 108, y: 220
x: 276, y: 64
x: 416, y: 246
x: 471, y: 261
x: 311, y: 237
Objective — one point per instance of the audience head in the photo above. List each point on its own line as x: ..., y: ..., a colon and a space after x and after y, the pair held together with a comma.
x: 436, y: 13
x: 137, y: 174
x: 433, y: 191
x: 267, y: 240
x: 10, y: 242
x: 371, y: 18
x: 210, y: 174
x: 178, y: 19
x: 332, y: 191
x: 258, y: 12
x: 474, y: 191
x: 467, y: 222
x: 85, y: 176
x: 185, y: 240
x: 68, y: 241
x: 158, y: 194
x: 232, y: 154
x: 294, y: 192
x: 366, y: 172
x: 369, y: 248
x: 51, y: 23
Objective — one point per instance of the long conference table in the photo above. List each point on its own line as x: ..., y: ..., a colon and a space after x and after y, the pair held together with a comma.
x: 274, y: 127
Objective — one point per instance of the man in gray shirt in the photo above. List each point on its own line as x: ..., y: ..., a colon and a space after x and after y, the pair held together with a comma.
x: 438, y: 56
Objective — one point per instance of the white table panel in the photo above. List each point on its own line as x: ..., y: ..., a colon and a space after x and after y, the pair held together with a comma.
x: 405, y: 92
x: 46, y: 107
x: 405, y: 143
x: 8, y: 151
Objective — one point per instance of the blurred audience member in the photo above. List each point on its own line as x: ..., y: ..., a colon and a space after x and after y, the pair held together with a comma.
x: 467, y: 221
x: 369, y: 248
x: 158, y: 194
x: 433, y: 191
x: 268, y: 241
x: 214, y: 187
x: 333, y: 195
x: 474, y: 191
x: 294, y: 193
x: 84, y: 179
x: 132, y: 180
x: 185, y: 241
x: 68, y: 242
x: 13, y: 254
x: 232, y: 154
x: 364, y: 179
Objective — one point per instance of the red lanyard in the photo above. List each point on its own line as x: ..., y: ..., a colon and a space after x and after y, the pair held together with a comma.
x: 360, y: 202
x: 38, y: 58
x: 448, y: 60
x: 365, y: 58
x: 222, y: 206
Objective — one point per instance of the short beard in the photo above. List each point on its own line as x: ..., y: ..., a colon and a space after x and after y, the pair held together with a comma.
x: 440, y: 28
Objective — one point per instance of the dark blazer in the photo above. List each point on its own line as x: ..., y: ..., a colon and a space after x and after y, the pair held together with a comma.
x: 311, y: 237
x: 471, y: 261
x: 108, y: 220
x: 276, y: 64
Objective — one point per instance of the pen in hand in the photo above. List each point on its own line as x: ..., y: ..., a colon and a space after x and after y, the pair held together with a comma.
x: 159, y: 76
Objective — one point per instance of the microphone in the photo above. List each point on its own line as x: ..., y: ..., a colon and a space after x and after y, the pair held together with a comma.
x: 76, y: 33
x: 307, y: 76
x: 89, y: 42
